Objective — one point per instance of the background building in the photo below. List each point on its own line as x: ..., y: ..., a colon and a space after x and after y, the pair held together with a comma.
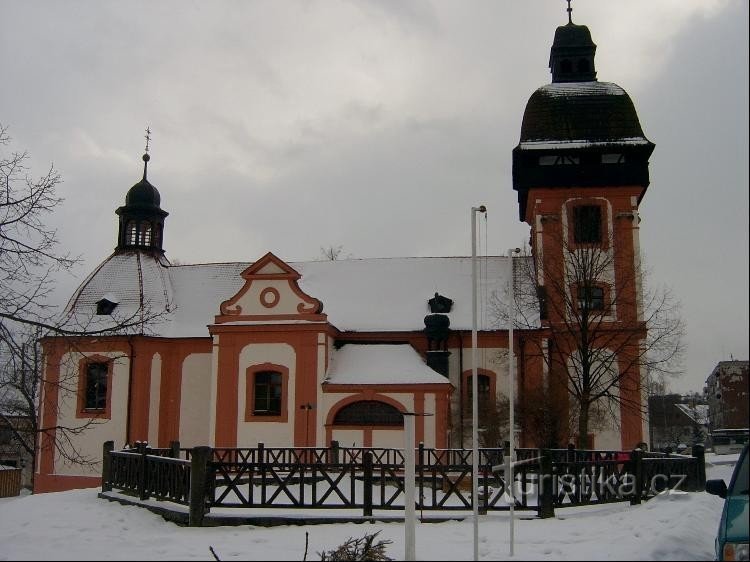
x: 727, y: 393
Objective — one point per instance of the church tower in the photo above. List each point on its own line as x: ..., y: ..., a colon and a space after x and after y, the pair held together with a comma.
x: 580, y: 171
x: 141, y: 225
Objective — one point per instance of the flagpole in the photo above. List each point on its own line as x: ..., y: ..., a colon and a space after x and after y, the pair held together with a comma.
x: 474, y: 384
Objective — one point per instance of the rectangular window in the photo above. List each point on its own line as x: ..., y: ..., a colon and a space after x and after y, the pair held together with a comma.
x: 267, y: 393
x: 542, y: 295
x: 591, y: 298
x: 96, y: 387
x: 587, y: 224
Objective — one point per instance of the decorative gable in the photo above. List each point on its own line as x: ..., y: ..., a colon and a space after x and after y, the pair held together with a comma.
x: 270, y: 293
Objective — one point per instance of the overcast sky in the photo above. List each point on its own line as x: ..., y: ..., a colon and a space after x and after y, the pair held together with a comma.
x: 286, y: 126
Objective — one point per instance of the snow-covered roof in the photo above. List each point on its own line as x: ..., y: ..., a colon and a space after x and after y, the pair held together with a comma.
x: 698, y: 413
x: 379, y: 365
x: 581, y: 143
x: 588, y: 88
x: 379, y: 294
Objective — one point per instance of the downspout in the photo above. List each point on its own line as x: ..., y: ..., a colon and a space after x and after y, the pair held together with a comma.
x: 522, y: 383
x: 130, y: 390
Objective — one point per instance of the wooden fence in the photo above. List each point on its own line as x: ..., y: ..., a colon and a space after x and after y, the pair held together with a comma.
x: 370, y: 479
x: 10, y: 481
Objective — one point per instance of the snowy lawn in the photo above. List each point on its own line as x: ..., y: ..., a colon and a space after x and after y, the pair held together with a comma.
x: 77, y: 525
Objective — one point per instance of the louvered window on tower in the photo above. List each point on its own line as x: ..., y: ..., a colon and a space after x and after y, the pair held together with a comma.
x: 587, y: 224
x: 146, y: 234
x: 131, y: 233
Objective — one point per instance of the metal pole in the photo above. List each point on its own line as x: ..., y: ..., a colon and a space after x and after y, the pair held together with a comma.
x: 410, y: 513
x: 474, y: 383
x: 511, y: 394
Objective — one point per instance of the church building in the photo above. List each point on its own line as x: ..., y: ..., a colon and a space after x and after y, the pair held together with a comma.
x: 299, y: 354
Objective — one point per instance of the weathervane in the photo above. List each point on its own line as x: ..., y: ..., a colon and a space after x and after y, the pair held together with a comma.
x: 570, y: 12
x: 146, y: 157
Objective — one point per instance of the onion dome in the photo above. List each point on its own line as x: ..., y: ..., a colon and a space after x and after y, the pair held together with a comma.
x: 141, y: 225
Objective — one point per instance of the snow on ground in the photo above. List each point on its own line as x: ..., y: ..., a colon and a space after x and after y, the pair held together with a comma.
x: 77, y: 525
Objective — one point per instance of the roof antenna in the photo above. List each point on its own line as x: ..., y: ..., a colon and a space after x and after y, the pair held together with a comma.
x: 146, y: 157
x: 570, y: 12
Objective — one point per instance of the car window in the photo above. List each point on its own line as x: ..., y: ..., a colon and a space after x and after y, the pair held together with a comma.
x: 740, y: 484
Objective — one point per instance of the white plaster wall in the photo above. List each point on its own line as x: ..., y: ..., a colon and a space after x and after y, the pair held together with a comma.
x: 195, y: 400
x: 272, y: 434
x: 154, y: 401
x: 89, y: 443
x: 429, y: 421
x: 213, y: 392
x: 250, y: 302
x: 389, y: 438
x: 348, y: 437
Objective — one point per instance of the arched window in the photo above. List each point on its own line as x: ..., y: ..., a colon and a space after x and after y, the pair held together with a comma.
x: 483, y: 386
x: 145, y: 234
x: 566, y: 67
x: 131, y: 233
x: 368, y: 412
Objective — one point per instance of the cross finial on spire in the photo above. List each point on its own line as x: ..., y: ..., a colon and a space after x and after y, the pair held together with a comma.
x: 570, y: 12
x: 146, y: 157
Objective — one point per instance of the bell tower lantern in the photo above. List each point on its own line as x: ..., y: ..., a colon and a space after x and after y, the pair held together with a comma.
x: 141, y: 225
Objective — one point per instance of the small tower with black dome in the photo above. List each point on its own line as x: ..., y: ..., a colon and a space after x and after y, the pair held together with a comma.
x: 141, y: 225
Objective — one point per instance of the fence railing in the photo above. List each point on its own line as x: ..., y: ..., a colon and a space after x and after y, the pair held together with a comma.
x: 370, y: 479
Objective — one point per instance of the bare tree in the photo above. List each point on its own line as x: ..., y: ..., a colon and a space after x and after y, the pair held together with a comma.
x: 29, y: 262
x: 608, y: 334
x: 333, y: 253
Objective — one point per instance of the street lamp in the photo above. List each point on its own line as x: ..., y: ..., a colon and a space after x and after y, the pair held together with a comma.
x: 474, y: 384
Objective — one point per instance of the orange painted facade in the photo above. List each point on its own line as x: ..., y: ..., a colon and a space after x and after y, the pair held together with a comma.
x: 550, y: 216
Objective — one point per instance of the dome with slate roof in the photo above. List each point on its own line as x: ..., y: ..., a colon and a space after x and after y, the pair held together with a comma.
x: 577, y: 131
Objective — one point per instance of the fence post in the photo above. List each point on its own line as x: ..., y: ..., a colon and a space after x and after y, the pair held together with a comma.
x: 143, y: 451
x: 636, y: 459
x: 699, y: 452
x: 174, y: 447
x: 367, y: 484
x: 546, y: 506
x: 198, y: 472
x: 334, y: 452
x: 108, y: 447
